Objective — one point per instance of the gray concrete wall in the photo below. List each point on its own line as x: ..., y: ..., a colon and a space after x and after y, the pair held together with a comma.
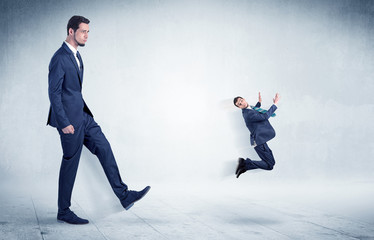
x: 160, y: 77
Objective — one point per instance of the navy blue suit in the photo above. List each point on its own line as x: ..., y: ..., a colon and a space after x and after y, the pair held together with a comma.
x: 68, y: 108
x: 65, y: 90
x: 261, y: 132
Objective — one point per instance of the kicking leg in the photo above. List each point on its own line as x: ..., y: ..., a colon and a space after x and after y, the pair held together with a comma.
x: 97, y: 143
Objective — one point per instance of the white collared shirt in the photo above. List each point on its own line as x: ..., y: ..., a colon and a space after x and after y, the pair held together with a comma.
x: 75, y: 53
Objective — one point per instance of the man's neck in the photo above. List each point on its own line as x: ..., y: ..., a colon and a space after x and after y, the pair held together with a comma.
x: 72, y: 43
x: 74, y: 50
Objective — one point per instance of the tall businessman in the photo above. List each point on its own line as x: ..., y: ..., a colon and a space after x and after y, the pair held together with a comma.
x: 75, y: 124
x: 256, y: 120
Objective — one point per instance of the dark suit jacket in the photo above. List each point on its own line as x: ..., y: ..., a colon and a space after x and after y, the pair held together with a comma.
x: 259, y: 125
x: 65, y: 90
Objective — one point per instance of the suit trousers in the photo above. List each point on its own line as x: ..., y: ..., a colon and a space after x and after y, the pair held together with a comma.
x: 90, y: 135
x: 267, y: 159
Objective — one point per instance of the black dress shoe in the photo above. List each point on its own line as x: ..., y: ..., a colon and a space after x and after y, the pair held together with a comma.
x: 240, y: 171
x: 133, y: 196
x: 241, y: 164
x: 71, y: 217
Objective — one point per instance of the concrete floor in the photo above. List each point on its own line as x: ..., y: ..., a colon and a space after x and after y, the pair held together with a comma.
x: 228, y: 210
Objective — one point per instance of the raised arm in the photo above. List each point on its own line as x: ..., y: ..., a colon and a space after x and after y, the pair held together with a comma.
x: 258, y: 104
x: 276, y: 99
x: 255, y: 116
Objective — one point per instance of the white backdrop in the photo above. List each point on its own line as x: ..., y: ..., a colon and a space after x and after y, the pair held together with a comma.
x: 160, y: 77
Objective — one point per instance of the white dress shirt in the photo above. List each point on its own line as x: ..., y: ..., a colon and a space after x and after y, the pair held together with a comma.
x: 75, y: 53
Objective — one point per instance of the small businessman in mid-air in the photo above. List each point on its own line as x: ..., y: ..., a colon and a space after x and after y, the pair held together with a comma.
x: 256, y: 120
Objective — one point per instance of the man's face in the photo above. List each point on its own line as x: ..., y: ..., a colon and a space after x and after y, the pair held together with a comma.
x: 81, y: 34
x: 241, y: 103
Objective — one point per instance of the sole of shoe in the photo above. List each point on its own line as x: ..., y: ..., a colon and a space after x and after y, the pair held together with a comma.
x: 61, y: 221
x: 129, y: 206
x: 240, y: 163
x: 240, y: 173
x: 132, y: 204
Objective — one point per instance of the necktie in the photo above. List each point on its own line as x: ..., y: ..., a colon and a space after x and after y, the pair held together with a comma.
x: 80, y: 61
x: 260, y: 110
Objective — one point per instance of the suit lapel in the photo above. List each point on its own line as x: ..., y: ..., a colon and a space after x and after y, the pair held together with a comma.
x: 72, y: 58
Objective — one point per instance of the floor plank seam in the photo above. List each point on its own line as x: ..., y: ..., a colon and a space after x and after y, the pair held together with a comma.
x: 262, y: 225
x: 102, y: 234
x: 196, y: 220
x: 37, y: 219
x: 316, y: 224
x: 290, y: 215
x: 150, y: 225
x: 338, y: 231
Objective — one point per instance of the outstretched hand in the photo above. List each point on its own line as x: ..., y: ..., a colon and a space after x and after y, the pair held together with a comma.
x: 259, y: 97
x: 276, y: 98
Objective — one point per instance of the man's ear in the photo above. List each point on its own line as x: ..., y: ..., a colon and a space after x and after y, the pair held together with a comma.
x: 71, y: 31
